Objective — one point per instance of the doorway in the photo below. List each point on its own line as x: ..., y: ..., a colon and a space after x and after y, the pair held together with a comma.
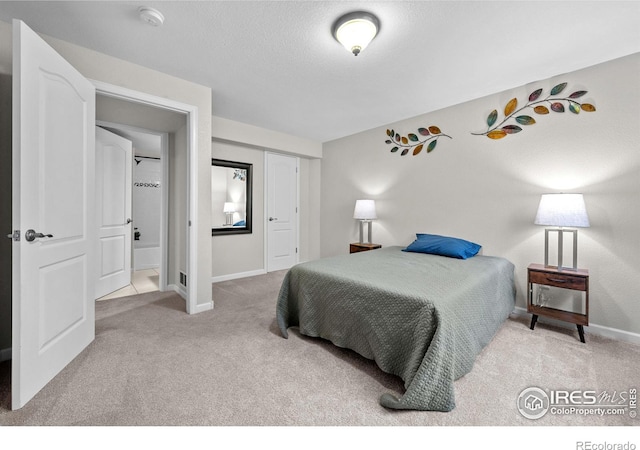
x: 160, y: 132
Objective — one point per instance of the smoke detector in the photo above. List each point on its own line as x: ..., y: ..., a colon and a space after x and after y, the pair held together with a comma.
x: 151, y: 16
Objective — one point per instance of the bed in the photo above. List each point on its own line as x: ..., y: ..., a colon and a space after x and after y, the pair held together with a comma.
x: 419, y: 316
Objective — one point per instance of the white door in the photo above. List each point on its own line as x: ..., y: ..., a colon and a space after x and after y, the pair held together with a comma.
x: 53, y: 266
x: 282, y: 212
x: 114, y: 166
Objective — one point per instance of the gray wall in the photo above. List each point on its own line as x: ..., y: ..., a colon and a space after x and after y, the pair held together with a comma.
x: 244, y: 254
x: 240, y: 253
x: 177, y: 255
x: 5, y: 214
x: 235, y: 255
x: 309, y: 209
x: 488, y: 190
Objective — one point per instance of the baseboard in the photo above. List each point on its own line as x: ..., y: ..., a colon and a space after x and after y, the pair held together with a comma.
x: 178, y: 289
x: 182, y: 293
x: 593, y: 328
x: 5, y: 354
x: 235, y: 276
x: 203, y: 307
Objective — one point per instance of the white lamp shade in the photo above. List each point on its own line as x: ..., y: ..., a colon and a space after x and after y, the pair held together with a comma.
x: 365, y: 210
x: 562, y: 210
x: 229, y: 207
x: 356, y: 30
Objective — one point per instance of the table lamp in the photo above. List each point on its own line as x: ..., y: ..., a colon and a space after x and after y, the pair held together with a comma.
x: 229, y: 209
x: 562, y: 210
x: 365, y: 211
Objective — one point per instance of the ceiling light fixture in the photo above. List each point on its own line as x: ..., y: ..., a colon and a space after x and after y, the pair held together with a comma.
x: 151, y: 15
x: 356, y: 30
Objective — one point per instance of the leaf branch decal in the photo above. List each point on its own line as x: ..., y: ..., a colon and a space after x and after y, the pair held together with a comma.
x: 553, y: 102
x: 415, y: 142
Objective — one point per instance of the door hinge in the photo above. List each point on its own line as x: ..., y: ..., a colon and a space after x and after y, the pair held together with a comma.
x: 15, y: 236
x: 296, y: 249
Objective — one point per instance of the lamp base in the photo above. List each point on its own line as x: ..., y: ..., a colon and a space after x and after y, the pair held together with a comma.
x: 561, y: 232
x: 362, y: 222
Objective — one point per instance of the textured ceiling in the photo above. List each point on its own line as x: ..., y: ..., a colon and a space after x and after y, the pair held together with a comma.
x: 274, y: 64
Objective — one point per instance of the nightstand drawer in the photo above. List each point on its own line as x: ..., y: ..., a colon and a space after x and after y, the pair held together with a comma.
x: 558, y: 280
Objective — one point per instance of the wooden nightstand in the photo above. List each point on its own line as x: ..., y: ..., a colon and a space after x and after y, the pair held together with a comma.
x: 357, y: 247
x: 577, y: 280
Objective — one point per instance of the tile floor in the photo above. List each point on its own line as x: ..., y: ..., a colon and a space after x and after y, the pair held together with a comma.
x: 141, y: 281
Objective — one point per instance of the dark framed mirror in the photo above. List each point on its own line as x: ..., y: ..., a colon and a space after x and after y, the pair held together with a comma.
x: 231, y: 197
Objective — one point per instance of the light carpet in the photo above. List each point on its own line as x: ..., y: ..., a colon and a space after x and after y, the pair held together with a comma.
x: 152, y: 364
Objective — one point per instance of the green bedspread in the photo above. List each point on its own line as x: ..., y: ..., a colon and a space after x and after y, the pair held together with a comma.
x: 422, y: 317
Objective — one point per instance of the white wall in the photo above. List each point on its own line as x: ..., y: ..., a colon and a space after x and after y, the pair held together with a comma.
x: 101, y: 67
x: 147, y: 201
x: 488, y: 190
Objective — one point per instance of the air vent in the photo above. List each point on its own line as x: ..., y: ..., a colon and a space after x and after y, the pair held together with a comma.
x: 183, y: 279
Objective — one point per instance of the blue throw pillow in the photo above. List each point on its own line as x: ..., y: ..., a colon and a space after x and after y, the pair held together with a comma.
x: 443, y: 246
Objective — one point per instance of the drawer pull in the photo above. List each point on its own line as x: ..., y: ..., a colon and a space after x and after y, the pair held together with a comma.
x: 557, y: 280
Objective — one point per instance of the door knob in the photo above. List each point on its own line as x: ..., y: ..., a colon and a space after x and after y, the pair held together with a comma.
x: 129, y: 221
x: 271, y: 219
x: 31, y: 235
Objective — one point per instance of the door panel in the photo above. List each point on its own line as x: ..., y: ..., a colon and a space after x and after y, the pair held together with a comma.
x: 113, y: 250
x: 282, y: 223
x: 63, y: 201
x: 53, y: 194
x: 68, y: 310
x: 114, y: 158
x: 281, y: 244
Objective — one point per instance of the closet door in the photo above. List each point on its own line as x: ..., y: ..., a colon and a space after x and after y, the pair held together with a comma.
x: 282, y: 211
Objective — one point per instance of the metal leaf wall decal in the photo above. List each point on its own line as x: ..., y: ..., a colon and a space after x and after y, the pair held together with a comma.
x: 553, y: 102
x: 413, y: 142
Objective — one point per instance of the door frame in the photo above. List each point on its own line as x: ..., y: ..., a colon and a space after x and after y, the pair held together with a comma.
x: 266, y: 203
x: 164, y: 194
x: 191, y: 112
